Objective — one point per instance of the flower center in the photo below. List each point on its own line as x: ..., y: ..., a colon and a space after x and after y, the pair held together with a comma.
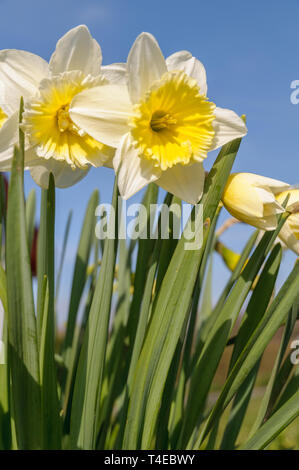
x: 64, y: 121
x: 3, y: 117
x: 162, y: 120
x: 174, y: 122
x: 49, y: 127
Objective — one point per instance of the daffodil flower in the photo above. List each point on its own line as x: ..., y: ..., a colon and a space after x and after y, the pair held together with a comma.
x: 289, y: 233
x: 53, y: 141
x: 161, y: 123
x: 251, y: 199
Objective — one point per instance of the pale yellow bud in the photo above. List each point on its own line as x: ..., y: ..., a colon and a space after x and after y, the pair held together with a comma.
x: 289, y: 233
x: 251, y: 199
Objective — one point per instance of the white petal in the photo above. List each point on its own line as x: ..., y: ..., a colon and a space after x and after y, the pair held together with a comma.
x: 9, y: 137
x: 63, y: 174
x: 133, y: 172
x: 31, y: 159
x: 145, y: 65
x: 185, y: 182
x: 104, y: 157
x: 276, y: 186
x: 183, y: 60
x: 228, y: 126
x: 103, y: 112
x: 287, y: 236
x: 20, y: 75
x: 115, y: 73
x: 271, y: 206
x: 77, y: 50
x: 267, y: 223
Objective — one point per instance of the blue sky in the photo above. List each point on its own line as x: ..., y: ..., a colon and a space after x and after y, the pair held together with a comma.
x: 250, y: 53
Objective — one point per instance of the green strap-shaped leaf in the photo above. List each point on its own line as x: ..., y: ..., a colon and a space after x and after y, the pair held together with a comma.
x: 215, y: 342
x: 254, y: 312
x: 79, y: 276
x: 265, y: 408
x: 62, y: 257
x: 50, y: 404
x: 22, y: 337
x: 277, y: 423
x: 256, y: 345
x: 145, y: 247
x: 89, y: 377
x: 168, y: 317
x: 49, y: 395
x: 30, y: 216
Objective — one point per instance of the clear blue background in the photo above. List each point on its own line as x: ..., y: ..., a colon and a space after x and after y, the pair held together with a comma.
x: 249, y: 49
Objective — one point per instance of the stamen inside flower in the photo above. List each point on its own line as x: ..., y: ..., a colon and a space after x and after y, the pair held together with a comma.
x: 50, y: 129
x: 161, y: 120
x: 174, y: 122
x: 3, y: 117
x: 63, y: 119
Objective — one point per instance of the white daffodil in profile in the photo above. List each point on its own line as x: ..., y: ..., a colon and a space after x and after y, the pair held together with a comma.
x: 53, y: 141
x: 289, y: 233
x: 251, y: 199
x: 161, y: 123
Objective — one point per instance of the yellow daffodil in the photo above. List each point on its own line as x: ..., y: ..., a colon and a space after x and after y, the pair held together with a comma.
x: 161, y: 123
x: 251, y: 199
x: 289, y: 233
x: 53, y: 141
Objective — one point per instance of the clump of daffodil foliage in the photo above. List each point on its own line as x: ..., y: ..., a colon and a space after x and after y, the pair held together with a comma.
x: 135, y: 365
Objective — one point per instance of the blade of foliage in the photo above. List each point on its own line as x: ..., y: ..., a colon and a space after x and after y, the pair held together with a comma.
x: 145, y: 247
x: 79, y: 276
x: 63, y: 251
x: 5, y: 429
x: 147, y: 250
x: 218, y: 336
x: 3, y: 207
x: 158, y: 256
x: 257, y: 343
x: 265, y: 408
x: 206, y: 326
x: 22, y: 338
x: 168, y: 244
x: 49, y: 395
x: 88, y: 384
x: 291, y: 387
x: 277, y: 423
x: 254, y: 312
x: 238, y: 411
x: 30, y: 216
x: 204, y: 310
x: 169, y: 315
